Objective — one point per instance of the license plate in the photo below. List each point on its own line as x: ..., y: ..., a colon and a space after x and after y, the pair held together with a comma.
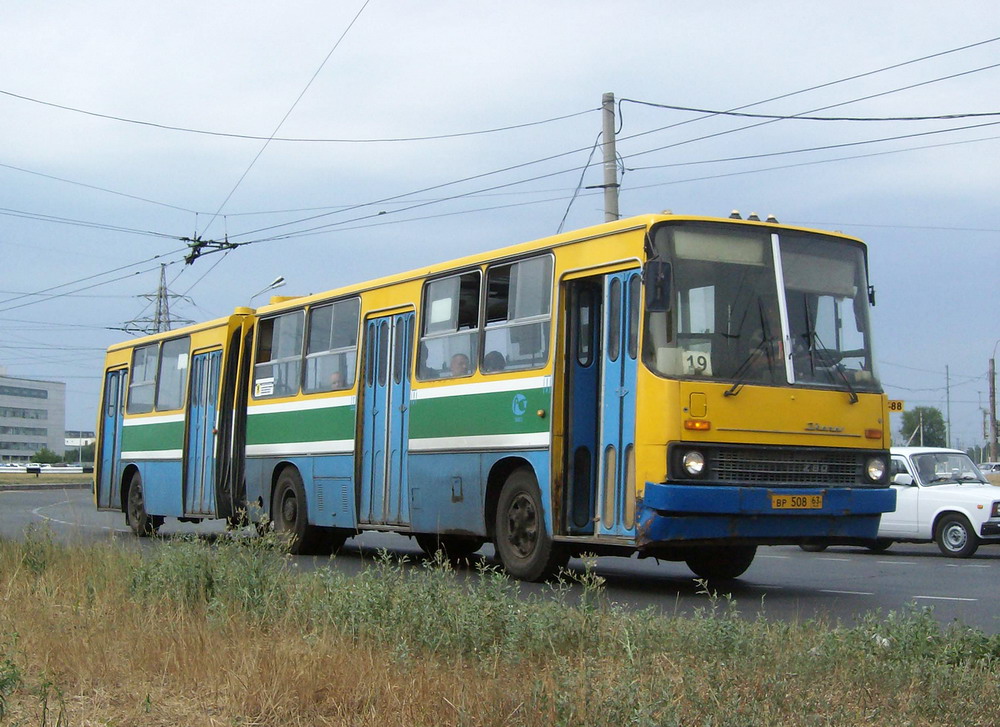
x: 796, y: 502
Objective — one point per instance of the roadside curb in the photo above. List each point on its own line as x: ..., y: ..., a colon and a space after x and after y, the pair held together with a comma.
x: 47, y: 486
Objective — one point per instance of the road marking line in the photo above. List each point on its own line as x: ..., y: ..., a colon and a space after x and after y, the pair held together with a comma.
x: 36, y: 512
x: 946, y: 598
x: 837, y: 560
x: 847, y: 593
x: 782, y: 557
x: 896, y: 562
x: 969, y: 565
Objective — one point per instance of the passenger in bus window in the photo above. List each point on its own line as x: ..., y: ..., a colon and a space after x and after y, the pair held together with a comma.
x: 337, y: 381
x: 459, y: 365
x: 493, y: 362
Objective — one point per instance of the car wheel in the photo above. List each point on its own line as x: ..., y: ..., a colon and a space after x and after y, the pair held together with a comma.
x: 955, y: 536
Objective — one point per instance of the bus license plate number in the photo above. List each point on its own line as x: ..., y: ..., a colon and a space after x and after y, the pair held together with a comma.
x: 796, y: 502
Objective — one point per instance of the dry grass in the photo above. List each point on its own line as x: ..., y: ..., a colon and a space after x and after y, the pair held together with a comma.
x: 229, y: 634
x: 46, y: 478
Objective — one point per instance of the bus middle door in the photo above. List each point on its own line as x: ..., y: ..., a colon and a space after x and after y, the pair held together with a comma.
x: 199, y: 455
x: 385, y: 429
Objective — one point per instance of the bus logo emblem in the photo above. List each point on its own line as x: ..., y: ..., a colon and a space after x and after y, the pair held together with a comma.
x: 519, y: 405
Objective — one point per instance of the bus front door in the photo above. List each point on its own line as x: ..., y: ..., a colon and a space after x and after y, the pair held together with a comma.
x: 108, y: 474
x: 199, y: 462
x: 601, y: 369
x: 385, y: 430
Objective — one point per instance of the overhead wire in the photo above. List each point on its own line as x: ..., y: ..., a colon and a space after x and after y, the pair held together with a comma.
x: 393, y: 198
x: 287, y: 114
x: 305, y: 140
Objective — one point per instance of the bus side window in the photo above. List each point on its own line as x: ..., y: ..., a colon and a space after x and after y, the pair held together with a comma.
x: 332, y: 346
x: 450, y: 327
x: 279, y: 355
x: 518, y: 312
x: 171, y: 382
x: 142, y: 380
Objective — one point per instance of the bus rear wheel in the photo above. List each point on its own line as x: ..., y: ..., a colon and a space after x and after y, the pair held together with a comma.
x: 526, y: 550
x: 139, y: 521
x: 723, y: 562
x: 291, y: 518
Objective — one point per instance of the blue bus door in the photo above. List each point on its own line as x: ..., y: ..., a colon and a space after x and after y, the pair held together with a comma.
x: 108, y: 474
x: 199, y: 454
x: 616, y: 462
x: 385, y: 429
x: 584, y: 301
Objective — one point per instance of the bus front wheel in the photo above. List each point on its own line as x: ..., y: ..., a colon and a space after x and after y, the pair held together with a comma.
x: 526, y: 550
x: 139, y: 521
x: 722, y: 563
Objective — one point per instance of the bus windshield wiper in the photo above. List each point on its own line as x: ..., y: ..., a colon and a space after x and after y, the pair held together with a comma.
x: 832, y: 362
x: 744, y: 368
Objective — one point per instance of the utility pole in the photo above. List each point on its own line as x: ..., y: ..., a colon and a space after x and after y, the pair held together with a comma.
x: 947, y: 393
x: 993, y: 408
x: 610, y: 159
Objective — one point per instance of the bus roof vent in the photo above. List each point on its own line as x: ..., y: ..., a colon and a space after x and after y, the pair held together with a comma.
x: 772, y: 219
x: 735, y: 215
x: 753, y: 216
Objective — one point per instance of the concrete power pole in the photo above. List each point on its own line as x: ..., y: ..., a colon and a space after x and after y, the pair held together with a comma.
x: 993, y: 410
x: 610, y: 159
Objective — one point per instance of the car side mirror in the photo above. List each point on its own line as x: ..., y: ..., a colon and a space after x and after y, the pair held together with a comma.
x: 902, y: 479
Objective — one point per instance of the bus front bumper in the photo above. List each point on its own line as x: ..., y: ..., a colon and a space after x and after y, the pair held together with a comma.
x: 678, y: 514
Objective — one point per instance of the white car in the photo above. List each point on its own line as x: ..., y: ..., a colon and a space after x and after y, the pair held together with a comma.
x: 941, y: 496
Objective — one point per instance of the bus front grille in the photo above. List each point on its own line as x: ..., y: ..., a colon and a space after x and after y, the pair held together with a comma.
x: 766, y: 467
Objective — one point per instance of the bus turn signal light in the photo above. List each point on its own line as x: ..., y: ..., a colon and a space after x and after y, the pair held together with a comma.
x: 873, y: 434
x: 698, y: 425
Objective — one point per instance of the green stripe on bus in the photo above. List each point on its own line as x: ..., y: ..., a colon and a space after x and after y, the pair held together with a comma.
x: 304, y: 425
x: 153, y: 437
x: 506, y: 412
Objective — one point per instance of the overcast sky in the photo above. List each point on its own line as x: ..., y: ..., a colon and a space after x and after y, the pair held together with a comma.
x: 93, y: 203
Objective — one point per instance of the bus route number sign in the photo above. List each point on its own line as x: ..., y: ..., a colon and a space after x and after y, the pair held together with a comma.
x: 896, y: 405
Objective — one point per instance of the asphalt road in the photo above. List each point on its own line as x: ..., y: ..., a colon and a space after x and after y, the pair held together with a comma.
x: 840, y: 584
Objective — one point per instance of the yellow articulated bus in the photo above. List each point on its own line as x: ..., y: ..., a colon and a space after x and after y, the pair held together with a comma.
x: 683, y: 387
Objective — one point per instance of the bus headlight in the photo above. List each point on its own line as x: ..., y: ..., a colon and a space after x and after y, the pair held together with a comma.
x: 875, y: 469
x: 693, y: 463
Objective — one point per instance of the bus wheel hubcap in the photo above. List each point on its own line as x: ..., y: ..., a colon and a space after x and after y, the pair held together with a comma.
x: 522, y: 525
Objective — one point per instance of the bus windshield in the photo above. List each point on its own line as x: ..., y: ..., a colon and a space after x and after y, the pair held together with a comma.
x: 756, y: 306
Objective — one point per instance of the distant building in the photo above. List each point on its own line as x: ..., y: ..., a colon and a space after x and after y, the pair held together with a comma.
x: 75, y: 439
x: 32, y: 416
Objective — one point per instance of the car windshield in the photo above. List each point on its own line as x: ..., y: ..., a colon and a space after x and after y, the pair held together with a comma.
x: 945, y: 468
x: 753, y: 305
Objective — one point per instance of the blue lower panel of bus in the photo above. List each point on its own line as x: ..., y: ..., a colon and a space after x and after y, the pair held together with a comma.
x: 161, y: 486
x: 671, y: 513
x: 448, y: 490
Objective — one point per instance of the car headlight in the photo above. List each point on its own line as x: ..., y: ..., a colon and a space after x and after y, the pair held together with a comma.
x: 875, y: 469
x: 693, y: 463
x: 995, y: 510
